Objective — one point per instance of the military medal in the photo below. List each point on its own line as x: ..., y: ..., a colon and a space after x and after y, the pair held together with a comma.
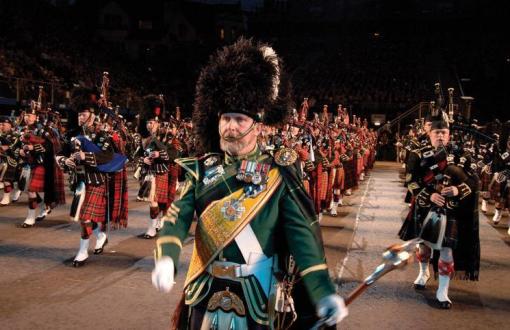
x: 257, y: 177
x: 251, y: 191
x: 242, y: 170
x: 213, y: 174
x: 210, y: 161
x: 232, y: 209
x: 250, y: 171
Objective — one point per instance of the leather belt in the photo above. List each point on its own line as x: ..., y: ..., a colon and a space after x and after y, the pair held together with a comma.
x: 232, y: 270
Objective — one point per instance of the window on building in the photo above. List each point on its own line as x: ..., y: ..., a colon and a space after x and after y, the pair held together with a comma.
x: 222, y: 34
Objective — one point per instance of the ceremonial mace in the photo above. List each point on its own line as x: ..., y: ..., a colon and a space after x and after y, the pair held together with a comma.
x: 394, y: 257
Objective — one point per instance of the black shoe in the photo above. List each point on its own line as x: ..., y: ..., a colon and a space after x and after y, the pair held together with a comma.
x: 148, y: 236
x: 26, y: 225
x: 444, y: 304
x: 41, y: 218
x: 77, y: 263
x: 100, y: 250
x: 419, y: 287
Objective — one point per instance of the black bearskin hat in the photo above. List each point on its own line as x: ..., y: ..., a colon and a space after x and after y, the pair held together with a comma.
x: 152, y: 107
x: 85, y: 99
x: 439, y: 120
x: 246, y: 77
x: 151, y: 110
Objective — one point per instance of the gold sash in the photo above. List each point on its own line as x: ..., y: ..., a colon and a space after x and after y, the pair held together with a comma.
x: 214, y: 232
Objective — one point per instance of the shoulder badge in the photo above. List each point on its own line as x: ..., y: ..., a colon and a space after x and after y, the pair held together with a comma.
x: 285, y: 156
x: 190, y: 165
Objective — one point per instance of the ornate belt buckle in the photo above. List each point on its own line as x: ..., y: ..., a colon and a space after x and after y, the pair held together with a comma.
x: 226, y: 301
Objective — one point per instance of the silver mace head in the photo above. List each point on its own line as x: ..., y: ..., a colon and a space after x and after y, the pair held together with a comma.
x: 395, y: 256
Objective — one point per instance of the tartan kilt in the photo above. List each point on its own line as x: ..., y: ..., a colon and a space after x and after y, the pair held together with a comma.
x: 173, y: 178
x: 349, y: 174
x: 331, y: 179
x: 323, y: 185
x: 359, y: 166
x: 94, y: 205
x: 161, y: 195
x: 119, y: 212
x: 339, y: 179
x: 37, y: 179
x: 495, y: 189
x: 306, y: 184
x: 485, y: 180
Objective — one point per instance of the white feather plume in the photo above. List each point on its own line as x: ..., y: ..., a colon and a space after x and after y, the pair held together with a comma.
x: 270, y: 55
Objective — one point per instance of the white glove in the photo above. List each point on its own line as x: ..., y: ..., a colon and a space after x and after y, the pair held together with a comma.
x: 163, y: 274
x: 332, y: 308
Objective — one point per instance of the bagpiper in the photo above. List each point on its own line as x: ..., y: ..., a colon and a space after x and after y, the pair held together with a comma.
x: 444, y: 213
x: 8, y: 160
x: 153, y: 165
x: 89, y: 157
x: 37, y: 147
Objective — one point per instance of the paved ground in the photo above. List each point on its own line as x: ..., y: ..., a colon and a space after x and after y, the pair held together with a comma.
x: 40, y: 289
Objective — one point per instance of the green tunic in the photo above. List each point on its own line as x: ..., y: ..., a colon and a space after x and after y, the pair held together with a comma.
x: 283, y: 224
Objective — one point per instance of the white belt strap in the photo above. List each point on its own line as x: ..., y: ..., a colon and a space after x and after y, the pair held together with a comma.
x: 249, y: 246
x: 252, y: 253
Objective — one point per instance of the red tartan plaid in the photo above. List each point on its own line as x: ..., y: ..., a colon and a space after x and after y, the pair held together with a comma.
x: 485, y: 180
x: 161, y: 195
x: 306, y: 183
x: 94, y: 205
x: 323, y: 185
x: 59, y: 185
x: 119, y: 212
x: 339, y: 179
x: 329, y: 188
x: 173, y: 177
x: 336, y: 181
x: 37, y: 179
x: 504, y: 200
x: 495, y: 190
x: 315, y: 177
x: 359, y: 166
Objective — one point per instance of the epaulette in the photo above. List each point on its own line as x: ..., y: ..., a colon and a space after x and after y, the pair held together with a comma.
x: 191, y: 165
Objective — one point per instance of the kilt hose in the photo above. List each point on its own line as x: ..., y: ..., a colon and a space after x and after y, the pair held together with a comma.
x: 119, y: 202
x: 37, y: 179
x: 94, y: 205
